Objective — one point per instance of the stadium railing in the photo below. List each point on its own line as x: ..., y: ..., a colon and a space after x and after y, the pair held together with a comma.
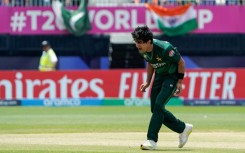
x: 121, y: 2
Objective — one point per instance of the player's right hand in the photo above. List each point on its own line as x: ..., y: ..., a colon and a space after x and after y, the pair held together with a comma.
x: 144, y: 86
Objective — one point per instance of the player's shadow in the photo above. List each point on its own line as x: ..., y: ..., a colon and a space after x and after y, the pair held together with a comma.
x: 172, y: 150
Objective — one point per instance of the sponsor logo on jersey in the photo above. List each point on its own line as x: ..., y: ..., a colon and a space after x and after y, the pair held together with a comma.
x: 171, y: 53
x: 157, y: 65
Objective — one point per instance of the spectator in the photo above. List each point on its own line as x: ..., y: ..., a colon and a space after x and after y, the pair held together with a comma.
x: 72, y: 2
x: 68, y: 3
x: 141, y: 1
x: 157, y: 2
x: 220, y: 2
x: 17, y: 3
x: 232, y: 2
x: 76, y: 2
x: 28, y: 3
x: 46, y: 3
x: 48, y: 59
x: 208, y: 2
x: 242, y: 2
x: 188, y: 1
x: 4, y: 2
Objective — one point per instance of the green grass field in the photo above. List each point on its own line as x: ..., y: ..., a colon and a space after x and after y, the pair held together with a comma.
x: 116, y: 129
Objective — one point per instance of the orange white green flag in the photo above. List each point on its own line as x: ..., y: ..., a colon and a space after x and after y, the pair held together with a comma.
x: 174, y: 21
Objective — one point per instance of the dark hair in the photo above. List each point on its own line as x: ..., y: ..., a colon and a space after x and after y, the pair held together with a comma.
x: 142, y: 33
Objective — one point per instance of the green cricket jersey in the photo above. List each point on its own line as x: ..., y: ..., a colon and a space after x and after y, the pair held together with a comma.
x: 164, y: 58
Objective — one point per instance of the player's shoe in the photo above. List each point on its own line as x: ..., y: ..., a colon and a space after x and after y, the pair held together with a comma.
x: 183, y: 137
x: 148, y: 145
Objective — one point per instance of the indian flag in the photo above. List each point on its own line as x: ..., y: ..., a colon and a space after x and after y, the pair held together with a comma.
x: 174, y: 21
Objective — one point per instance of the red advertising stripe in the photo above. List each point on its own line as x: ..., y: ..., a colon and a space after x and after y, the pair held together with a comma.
x: 67, y: 84
x: 198, y: 84
x: 214, y: 84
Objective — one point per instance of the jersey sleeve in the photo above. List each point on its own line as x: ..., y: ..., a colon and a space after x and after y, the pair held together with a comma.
x: 172, y: 54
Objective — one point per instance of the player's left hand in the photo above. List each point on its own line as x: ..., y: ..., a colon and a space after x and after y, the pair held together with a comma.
x: 179, y: 88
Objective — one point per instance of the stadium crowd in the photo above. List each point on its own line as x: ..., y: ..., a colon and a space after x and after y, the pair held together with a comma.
x: 98, y: 2
x: 195, y: 2
x: 34, y: 2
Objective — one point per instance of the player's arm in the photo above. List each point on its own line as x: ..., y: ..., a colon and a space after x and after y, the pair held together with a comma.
x: 174, y: 55
x: 181, y: 73
x: 150, y: 71
x: 181, y: 67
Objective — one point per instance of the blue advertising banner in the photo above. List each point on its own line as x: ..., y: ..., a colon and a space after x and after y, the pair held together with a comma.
x: 208, y: 102
x: 73, y: 102
x: 9, y: 103
x: 61, y: 102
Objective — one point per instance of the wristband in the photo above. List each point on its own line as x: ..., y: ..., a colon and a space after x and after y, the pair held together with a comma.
x: 181, y: 75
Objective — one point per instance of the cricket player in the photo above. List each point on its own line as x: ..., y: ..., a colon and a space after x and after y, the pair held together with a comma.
x: 48, y: 60
x: 166, y: 62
